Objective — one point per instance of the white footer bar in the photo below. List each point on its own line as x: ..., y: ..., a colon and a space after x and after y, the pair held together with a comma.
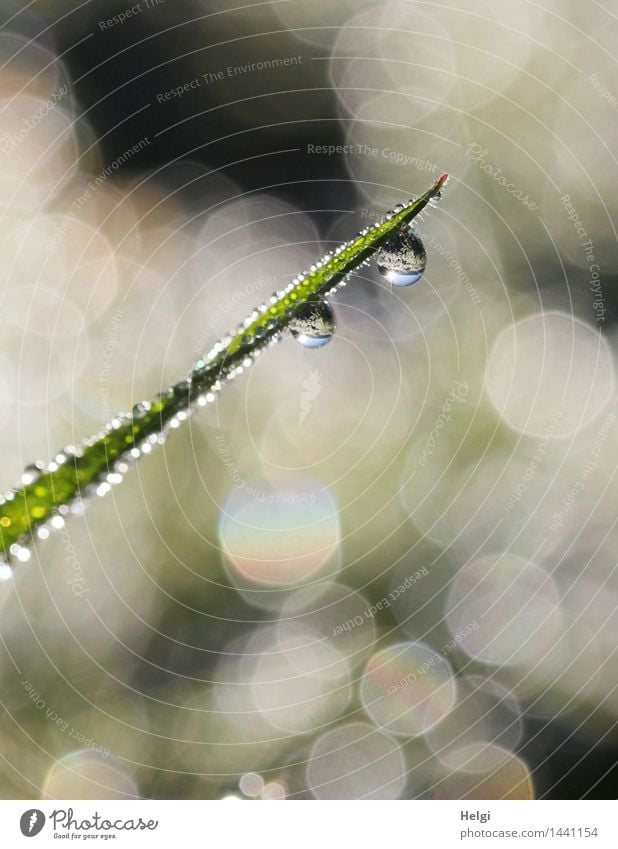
x: 310, y: 825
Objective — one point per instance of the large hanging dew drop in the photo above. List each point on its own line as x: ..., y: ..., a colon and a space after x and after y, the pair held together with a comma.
x: 403, y: 260
x: 313, y: 323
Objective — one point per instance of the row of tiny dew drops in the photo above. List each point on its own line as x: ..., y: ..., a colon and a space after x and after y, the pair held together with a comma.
x: 401, y: 261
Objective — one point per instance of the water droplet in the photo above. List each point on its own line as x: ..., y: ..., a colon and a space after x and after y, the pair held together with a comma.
x: 313, y: 323
x: 78, y: 507
x: 21, y: 553
x: 402, y: 261
x: 31, y: 473
x: 140, y: 409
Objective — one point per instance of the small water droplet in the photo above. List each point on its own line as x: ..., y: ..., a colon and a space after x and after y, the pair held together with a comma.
x: 21, y: 553
x: 140, y: 409
x: 402, y: 261
x: 313, y: 323
x: 31, y: 474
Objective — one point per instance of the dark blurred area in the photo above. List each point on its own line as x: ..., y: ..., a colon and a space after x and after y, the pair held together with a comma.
x: 253, y: 126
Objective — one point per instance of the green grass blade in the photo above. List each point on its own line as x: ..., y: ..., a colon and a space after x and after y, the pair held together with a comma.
x: 47, y: 494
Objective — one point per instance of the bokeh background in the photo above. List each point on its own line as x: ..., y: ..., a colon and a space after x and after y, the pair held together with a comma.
x: 384, y: 569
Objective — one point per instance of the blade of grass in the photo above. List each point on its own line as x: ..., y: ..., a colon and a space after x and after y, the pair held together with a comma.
x: 48, y: 493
